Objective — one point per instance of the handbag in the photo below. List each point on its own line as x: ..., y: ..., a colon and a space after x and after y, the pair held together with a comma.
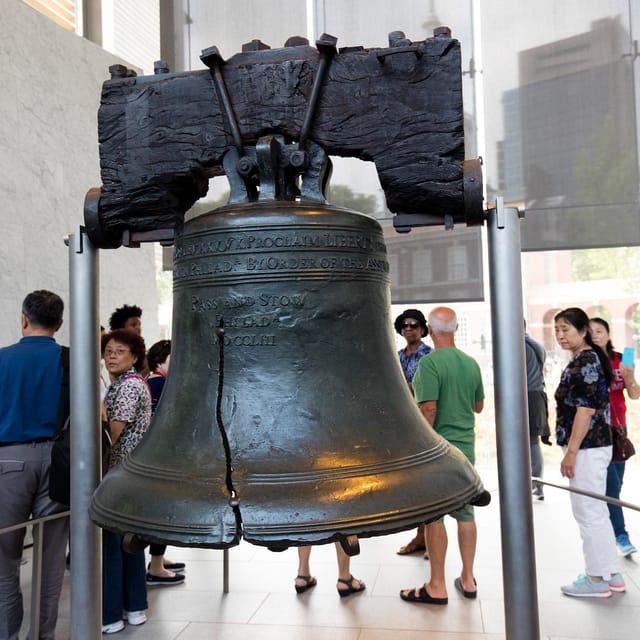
x: 623, y: 448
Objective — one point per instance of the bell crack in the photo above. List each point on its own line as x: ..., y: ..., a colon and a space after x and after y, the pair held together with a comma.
x: 234, y: 500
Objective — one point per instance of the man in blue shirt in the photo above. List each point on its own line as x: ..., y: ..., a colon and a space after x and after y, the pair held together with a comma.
x: 31, y: 376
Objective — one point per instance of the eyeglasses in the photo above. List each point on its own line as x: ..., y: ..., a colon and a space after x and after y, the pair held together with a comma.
x: 116, y: 352
x: 410, y: 325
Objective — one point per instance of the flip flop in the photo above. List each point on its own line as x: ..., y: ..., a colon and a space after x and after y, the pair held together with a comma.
x: 467, y: 594
x: 309, y: 583
x: 350, y: 588
x: 413, y: 547
x: 423, y: 596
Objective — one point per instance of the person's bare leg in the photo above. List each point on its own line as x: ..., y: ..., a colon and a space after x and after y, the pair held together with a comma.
x: 437, y: 543
x: 304, y: 579
x: 467, y: 539
x: 417, y: 543
x: 344, y: 570
x: 156, y: 568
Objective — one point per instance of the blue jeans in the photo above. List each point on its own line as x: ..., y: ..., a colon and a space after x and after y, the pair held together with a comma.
x: 124, y: 579
x: 537, y: 465
x: 615, y: 474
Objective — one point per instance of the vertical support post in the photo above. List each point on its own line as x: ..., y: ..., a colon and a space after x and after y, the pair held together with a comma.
x: 514, y: 466
x: 86, y: 546
x: 36, y: 579
x: 225, y: 571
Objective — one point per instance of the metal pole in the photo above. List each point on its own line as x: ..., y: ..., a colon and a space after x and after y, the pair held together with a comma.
x: 225, y: 571
x: 36, y: 579
x: 514, y: 467
x: 85, y: 542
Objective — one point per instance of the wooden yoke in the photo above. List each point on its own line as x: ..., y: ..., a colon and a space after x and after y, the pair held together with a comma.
x: 163, y: 136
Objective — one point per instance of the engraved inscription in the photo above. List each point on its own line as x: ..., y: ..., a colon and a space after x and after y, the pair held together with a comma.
x: 250, y: 341
x: 294, y: 300
x: 293, y: 240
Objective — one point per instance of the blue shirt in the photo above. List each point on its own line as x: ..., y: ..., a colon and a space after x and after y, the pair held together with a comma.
x: 30, y: 381
x: 409, y: 364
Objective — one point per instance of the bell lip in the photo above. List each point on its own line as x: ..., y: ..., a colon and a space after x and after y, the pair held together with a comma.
x: 281, y: 535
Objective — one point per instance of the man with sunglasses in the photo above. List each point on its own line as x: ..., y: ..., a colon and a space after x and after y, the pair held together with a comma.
x: 412, y: 326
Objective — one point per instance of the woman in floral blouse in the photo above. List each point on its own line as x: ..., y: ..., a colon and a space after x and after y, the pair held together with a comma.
x: 583, y: 430
x: 127, y: 409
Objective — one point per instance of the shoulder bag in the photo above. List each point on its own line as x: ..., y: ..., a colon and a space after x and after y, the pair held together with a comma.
x: 623, y: 448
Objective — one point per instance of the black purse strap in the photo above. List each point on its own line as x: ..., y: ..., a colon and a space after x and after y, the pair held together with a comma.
x: 64, y: 402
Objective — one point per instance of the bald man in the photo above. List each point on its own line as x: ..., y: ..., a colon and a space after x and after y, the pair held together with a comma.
x: 448, y: 389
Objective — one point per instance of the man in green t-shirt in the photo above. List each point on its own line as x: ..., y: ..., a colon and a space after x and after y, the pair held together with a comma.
x: 448, y: 389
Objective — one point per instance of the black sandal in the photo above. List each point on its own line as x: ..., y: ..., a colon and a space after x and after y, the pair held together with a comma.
x: 350, y: 587
x: 423, y: 596
x: 309, y: 583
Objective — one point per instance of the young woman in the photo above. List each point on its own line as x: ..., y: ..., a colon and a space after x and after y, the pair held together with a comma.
x: 583, y: 431
x: 623, y: 378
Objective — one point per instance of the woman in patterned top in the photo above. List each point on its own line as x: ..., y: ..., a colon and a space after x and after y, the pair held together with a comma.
x: 127, y: 408
x: 583, y: 430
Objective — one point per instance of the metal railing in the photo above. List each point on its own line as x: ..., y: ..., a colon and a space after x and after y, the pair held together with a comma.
x: 589, y: 494
x: 36, y: 570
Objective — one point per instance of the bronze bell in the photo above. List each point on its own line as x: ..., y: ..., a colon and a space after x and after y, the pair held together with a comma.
x: 285, y: 419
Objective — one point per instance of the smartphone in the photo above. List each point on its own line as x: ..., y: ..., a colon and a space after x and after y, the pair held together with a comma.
x: 628, y: 356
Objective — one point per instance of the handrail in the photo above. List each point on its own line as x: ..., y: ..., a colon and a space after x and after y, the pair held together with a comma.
x: 28, y: 523
x: 590, y: 494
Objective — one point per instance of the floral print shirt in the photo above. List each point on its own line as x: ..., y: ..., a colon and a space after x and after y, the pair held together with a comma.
x: 583, y: 384
x: 410, y: 363
x: 128, y: 400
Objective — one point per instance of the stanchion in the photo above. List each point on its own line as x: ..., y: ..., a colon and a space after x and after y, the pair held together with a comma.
x: 86, y: 548
x: 514, y: 468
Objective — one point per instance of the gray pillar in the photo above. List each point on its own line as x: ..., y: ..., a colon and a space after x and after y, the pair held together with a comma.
x: 92, y: 20
x: 512, y: 433
x: 86, y: 546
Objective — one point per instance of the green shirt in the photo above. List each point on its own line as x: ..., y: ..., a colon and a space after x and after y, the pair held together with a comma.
x: 451, y: 378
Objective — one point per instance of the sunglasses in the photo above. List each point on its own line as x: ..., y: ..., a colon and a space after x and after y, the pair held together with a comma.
x: 410, y: 325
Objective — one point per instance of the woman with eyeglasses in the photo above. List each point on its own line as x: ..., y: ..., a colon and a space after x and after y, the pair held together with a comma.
x: 127, y: 409
x: 412, y: 326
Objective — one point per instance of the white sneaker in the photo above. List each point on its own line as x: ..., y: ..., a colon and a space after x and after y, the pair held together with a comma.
x: 114, y: 627
x: 135, y: 617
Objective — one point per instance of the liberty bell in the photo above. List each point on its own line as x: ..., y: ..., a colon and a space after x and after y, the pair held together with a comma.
x: 285, y: 419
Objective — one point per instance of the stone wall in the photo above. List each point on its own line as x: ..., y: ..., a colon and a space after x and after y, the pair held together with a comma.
x: 48, y: 160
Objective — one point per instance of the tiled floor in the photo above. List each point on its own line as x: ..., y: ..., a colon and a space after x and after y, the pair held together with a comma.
x: 263, y: 604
